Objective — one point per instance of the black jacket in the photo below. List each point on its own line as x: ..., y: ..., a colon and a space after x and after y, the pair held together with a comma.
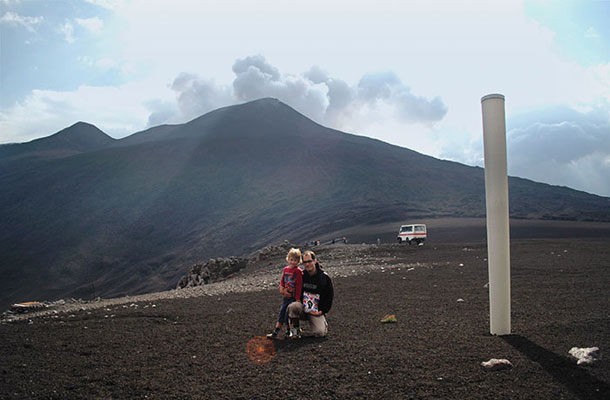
x: 322, y: 284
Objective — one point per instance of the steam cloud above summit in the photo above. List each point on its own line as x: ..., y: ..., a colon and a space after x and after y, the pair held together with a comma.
x: 325, y: 99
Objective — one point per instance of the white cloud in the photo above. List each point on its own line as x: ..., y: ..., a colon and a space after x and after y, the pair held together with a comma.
x: 105, y: 63
x: 94, y: 25
x: 29, y: 23
x: 331, y: 100
x: 563, y: 147
x: 195, y: 96
x: 591, y: 33
x: 557, y: 145
x: 68, y: 30
x: 410, y: 108
x: 108, y: 4
x: 44, y: 112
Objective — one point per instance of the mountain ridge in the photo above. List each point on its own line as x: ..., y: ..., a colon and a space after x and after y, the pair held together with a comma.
x: 124, y: 219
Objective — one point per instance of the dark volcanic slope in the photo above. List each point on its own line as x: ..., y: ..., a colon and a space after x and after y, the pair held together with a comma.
x: 131, y: 215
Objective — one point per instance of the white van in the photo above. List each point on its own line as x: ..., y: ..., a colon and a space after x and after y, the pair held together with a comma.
x: 412, y: 234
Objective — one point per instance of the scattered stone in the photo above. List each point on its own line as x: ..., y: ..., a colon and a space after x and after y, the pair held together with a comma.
x: 496, y: 364
x: 461, y: 300
x: 213, y: 270
x: 27, y: 306
x: 585, y: 355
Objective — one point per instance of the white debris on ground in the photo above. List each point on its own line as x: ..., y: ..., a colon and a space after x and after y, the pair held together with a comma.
x: 460, y: 300
x: 496, y: 364
x: 585, y: 355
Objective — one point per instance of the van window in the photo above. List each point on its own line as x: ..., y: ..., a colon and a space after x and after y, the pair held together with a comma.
x: 406, y: 229
x: 419, y: 229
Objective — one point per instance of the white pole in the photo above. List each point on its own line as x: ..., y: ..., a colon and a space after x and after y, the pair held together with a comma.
x: 496, y: 199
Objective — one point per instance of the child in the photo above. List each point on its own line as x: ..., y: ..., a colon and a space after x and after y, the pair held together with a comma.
x: 291, y: 285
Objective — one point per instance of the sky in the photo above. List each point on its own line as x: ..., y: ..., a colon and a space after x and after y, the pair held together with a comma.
x: 411, y: 73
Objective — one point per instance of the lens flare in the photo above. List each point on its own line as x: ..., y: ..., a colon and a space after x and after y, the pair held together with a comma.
x: 260, y: 349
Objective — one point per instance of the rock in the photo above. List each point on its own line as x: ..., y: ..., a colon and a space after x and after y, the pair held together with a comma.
x: 585, y: 355
x: 213, y: 270
x: 496, y: 364
x: 273, y: 250
x: 27, y: 306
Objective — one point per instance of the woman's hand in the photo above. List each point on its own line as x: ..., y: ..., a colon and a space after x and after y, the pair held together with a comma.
x: 315, y: 313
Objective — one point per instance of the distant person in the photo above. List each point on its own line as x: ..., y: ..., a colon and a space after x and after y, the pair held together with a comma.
x: 316, y: 300
x: 344, y: 240
x: 291, y: 285
x: 378, y: 241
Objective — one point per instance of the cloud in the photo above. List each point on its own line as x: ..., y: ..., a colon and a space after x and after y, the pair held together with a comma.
x: 331, y: 100
x: 591, y: 33
x: 556, y: 145
x: 162, y: 112
x: 196, y: 96
x: 256, y: 78
x: 108, y: 4
x: 327, y: 100
x: 258, y: 63
x: 388, y: 88
x: 68, y: 30
x: 44, y: 112
x: 563, y: 147
x: 105, y: 63
x: 94, y: 25
x: 29, y: 23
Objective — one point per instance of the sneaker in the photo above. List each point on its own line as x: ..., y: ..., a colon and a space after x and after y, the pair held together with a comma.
x: 294, y: 333
x: 273, y: 334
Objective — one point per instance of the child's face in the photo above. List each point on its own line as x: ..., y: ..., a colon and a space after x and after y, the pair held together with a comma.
x: 293, y: 262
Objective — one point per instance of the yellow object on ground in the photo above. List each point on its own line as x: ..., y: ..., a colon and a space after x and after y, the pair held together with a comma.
x: 389, y: 318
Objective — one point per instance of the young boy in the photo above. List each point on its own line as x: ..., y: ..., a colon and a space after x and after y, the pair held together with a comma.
x: 291, y: 285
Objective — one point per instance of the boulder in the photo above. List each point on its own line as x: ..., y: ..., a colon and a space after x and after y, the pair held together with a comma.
x: 213, y: 270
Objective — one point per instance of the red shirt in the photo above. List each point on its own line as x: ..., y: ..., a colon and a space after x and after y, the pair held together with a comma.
x: 293, y: 278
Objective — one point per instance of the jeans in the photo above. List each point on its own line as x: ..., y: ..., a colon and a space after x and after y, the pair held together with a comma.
x: 283, y: 315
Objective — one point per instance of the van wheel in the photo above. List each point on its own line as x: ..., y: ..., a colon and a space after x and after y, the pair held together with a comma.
x: 414, y: 241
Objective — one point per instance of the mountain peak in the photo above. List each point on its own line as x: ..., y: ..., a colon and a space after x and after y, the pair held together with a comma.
x: 78, y: 138
x: 261, y: 118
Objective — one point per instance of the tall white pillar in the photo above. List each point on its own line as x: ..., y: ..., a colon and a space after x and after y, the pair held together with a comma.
x: 496, y: 198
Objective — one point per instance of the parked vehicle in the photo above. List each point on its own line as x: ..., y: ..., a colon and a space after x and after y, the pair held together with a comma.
x: 412, y: 234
